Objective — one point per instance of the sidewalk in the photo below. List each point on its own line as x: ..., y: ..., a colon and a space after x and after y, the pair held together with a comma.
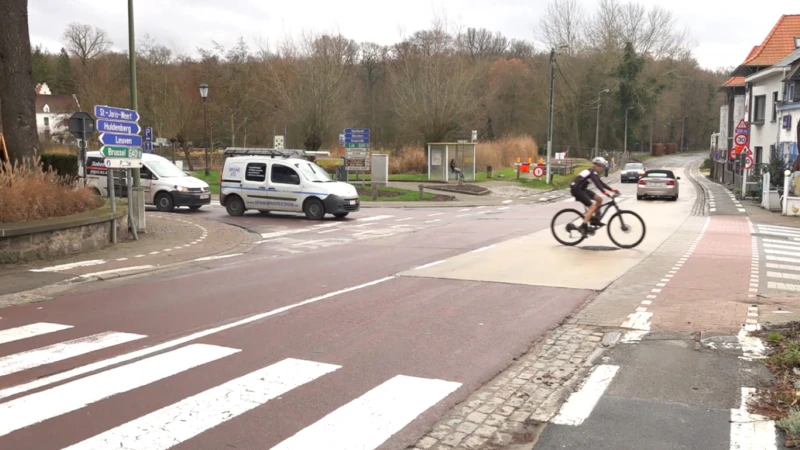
x: 171, y: 239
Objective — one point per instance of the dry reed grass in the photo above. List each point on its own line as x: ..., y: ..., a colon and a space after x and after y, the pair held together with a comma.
x: 29, y: 193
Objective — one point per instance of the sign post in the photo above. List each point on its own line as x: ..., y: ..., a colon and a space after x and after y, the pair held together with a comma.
x: 122, y: 149
x: 356, y: 150
x: 81, y: 125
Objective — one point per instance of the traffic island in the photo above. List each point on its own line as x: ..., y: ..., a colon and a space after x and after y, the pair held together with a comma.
x: 464, y: 188
x: 388, y: 194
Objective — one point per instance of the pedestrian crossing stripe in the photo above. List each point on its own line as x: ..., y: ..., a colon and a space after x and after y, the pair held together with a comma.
x: 365, y: 422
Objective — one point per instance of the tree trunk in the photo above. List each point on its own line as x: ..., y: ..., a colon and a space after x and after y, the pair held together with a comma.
x: 17, y: 89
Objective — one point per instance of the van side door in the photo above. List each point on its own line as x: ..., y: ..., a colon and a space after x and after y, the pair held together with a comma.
x: 284, y: 187
x: 254, y: 186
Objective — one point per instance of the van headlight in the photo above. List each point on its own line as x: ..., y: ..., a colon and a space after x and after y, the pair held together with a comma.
x: 181, y: 189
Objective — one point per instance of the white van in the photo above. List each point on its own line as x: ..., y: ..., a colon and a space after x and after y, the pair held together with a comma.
x: 164, y: 184
x: 283, y: 183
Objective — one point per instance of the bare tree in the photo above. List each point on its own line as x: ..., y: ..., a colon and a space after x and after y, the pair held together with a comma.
x: 563, y: 23
x: 435, y: 91
x: 17, y: 88
x: 482, y: 43
x: 312, y: 81
x: 85, y: 42
x: 372, y: 70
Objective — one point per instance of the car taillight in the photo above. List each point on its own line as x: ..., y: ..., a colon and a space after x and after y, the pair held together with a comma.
x: 670, y: 183
x: 642, y: 182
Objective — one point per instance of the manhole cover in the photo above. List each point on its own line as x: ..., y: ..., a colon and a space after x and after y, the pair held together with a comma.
x: 599, y: 248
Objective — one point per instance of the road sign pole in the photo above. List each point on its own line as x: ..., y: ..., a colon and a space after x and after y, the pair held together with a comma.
x: 138, y: 202
x: 110, y: 187
x: 131, y: 224
x: 82, y: 158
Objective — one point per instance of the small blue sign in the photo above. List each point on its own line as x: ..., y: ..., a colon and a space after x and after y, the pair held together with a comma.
x: 357, y: 135
x: 121, y: 140
x: 113, y: 126
x: 148, y: 134
x: 356, y: 130
x: 109, y: 112
x: 148, y: 147
x: 356, y: 141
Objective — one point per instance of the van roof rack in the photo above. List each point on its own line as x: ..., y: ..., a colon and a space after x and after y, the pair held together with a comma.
x: 286, y: 153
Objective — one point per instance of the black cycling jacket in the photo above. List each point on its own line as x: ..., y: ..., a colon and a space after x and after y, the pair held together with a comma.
x: 583, y: 178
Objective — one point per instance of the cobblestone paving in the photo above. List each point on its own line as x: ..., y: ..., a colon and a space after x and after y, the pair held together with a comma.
x: 512, y: 406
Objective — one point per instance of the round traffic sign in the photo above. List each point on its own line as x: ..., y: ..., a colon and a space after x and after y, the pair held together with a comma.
x: 538, y: 172
x: 740, y: 139
x: 732, y: 153
x: 748, y: 162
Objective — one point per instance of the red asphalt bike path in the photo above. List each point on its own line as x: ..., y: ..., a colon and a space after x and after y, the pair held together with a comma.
x: 401, y: 326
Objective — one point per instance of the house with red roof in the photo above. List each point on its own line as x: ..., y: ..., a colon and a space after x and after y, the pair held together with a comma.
x: 53, y: 112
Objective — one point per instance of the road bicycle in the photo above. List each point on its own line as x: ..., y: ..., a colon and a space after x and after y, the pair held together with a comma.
x: 622, y: 221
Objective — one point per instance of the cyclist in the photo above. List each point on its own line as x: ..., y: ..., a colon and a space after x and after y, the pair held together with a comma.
x: 579, y: 188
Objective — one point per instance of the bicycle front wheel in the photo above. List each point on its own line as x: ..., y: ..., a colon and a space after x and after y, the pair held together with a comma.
x: 559, y: 225
x: 626, y: 224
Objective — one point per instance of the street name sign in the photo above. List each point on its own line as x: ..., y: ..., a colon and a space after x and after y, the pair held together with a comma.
x: 109, y: 112
x: 127, y: 140
x: 114, y: 126
x: 123, y: 163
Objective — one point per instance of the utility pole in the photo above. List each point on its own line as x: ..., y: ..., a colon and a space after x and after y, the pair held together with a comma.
x: 138, y: 192
x: 625, y: 148
x: 550, y: 125
x: 683, y: 128
x: 597, y: 126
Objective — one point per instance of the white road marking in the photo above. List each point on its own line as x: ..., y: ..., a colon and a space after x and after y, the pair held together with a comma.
x: 464, y: 210
x: 580, y: 404
x: 120, y: 270
x: 330, y: 231
x: 503, y: 208
x: 505, y: 202
x: 780, y: 228
x: 34, y: 408
x: 482, y: 249
x: 74, y: 265
x: 188, y: 418
x: 779, y: 233
x: 368, y: 421
x: 29, y: 331
x: 433, y: 221
x: 44, y: 381
x: 154, y: 253
x: 784, y: 276
x: 275, y: 234
x: 782, y: 267
x: 404, y: 219
x: 783, y: 286
x: 139, y: 256
x: 122, y: 259
x: 786, y: 246
x: 464, y: 215
x: 638, y: 321
x: 435, y: 214
x: 369, y: 219
x: 211, y: 258
x: 63, y: 350
x: 425, y: 266
x: 751, y: 431
x: 633, y: 336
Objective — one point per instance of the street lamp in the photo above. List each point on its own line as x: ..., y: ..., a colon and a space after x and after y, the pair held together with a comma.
x: 204, y: 94
x: 625, y: 148
x: 550, y: 125
x: 597, y: 126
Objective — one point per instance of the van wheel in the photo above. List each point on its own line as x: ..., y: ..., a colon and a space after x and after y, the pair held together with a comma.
x: 164, y: 202
x: 314, y: 209
x: 234, y: 205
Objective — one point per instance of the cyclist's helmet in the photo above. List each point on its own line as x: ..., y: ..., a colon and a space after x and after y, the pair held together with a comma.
x: 601, y: 161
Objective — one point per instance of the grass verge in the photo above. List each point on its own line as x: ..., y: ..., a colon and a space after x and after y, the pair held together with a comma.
x: 389, y: 194
x: 212, y: 179
x: 781, y: 400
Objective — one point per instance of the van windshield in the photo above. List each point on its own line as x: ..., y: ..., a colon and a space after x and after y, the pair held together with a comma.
x: 165, y: 169
x: 314, y: 173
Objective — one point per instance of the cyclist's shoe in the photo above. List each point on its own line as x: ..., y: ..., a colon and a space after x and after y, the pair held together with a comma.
x: 584, y: 229
x: 596, y: 222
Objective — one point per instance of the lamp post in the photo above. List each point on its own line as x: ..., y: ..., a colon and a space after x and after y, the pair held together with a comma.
x: 625, y: 148
x: 204, y: 94
x: 550, y: 125
x: 597, y: 126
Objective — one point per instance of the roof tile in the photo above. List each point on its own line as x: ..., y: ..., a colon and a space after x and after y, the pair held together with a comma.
x: 778, y: 43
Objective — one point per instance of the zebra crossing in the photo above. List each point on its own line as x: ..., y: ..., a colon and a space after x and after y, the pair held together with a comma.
x: 364, y: 422
x: 781, y: 249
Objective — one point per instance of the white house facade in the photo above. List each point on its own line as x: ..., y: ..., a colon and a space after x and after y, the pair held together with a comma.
x: 765, y: 91
x: 52, y: 112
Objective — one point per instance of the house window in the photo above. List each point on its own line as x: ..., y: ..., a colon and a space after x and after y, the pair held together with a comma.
x: 47, y: 121
x: 759, y: 108
x: 774, y: 106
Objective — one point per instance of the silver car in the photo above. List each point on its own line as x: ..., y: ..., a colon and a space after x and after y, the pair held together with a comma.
x: 658, y: 183
x: 632, y: 172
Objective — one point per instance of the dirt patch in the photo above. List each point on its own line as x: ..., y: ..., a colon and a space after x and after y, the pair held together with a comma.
x: 471, y: 189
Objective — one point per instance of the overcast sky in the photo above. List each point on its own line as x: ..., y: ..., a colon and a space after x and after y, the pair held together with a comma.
x: 724, y: 30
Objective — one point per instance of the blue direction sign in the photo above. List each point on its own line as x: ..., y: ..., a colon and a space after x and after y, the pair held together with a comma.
x: 357, y: 135
x: 348, y: 140
x: 148, y: 147
x: 356, y: 130
x: 148, y: 134
x: 114, y: 126
x: 122, y: 140
x: 109, y: 112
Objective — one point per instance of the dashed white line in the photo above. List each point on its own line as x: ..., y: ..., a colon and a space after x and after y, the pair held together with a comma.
x: 211, y: 258
x: 580, y: 404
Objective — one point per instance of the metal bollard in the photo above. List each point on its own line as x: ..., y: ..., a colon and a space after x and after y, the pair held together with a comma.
x: 421, y: 193
x: 374, y: 192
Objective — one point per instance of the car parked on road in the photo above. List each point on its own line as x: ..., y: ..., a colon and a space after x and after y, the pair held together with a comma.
x: 658, y: 183
x: 631, y: 172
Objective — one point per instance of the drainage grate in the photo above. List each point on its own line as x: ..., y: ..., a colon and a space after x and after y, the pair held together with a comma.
x: 599, y: 248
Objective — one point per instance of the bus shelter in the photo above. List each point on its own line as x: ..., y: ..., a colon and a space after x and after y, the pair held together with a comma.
x: 444, y: 156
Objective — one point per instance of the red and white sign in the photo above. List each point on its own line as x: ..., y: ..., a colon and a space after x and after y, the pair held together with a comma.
x: 742, y: 127
x: 747, y: 151
x: 748, y: 162
x: 538, y: 172
x: 732, y: 153
x: 740, y: 139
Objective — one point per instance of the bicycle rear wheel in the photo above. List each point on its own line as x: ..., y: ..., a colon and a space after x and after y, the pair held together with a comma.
x: 565, y: 217
x: 626, y: 223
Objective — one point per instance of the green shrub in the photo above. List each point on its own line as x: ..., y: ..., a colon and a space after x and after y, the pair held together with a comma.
x: 63, y: 164
x: 706, y: 164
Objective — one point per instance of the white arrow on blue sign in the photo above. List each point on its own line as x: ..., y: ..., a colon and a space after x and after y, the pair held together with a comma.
x: 122, y: 140
x: 121, y: 114
x: 148, y: 147
x: 115, y: 126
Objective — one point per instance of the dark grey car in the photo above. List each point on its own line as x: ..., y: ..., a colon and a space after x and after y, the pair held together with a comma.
x: 631, y: 172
